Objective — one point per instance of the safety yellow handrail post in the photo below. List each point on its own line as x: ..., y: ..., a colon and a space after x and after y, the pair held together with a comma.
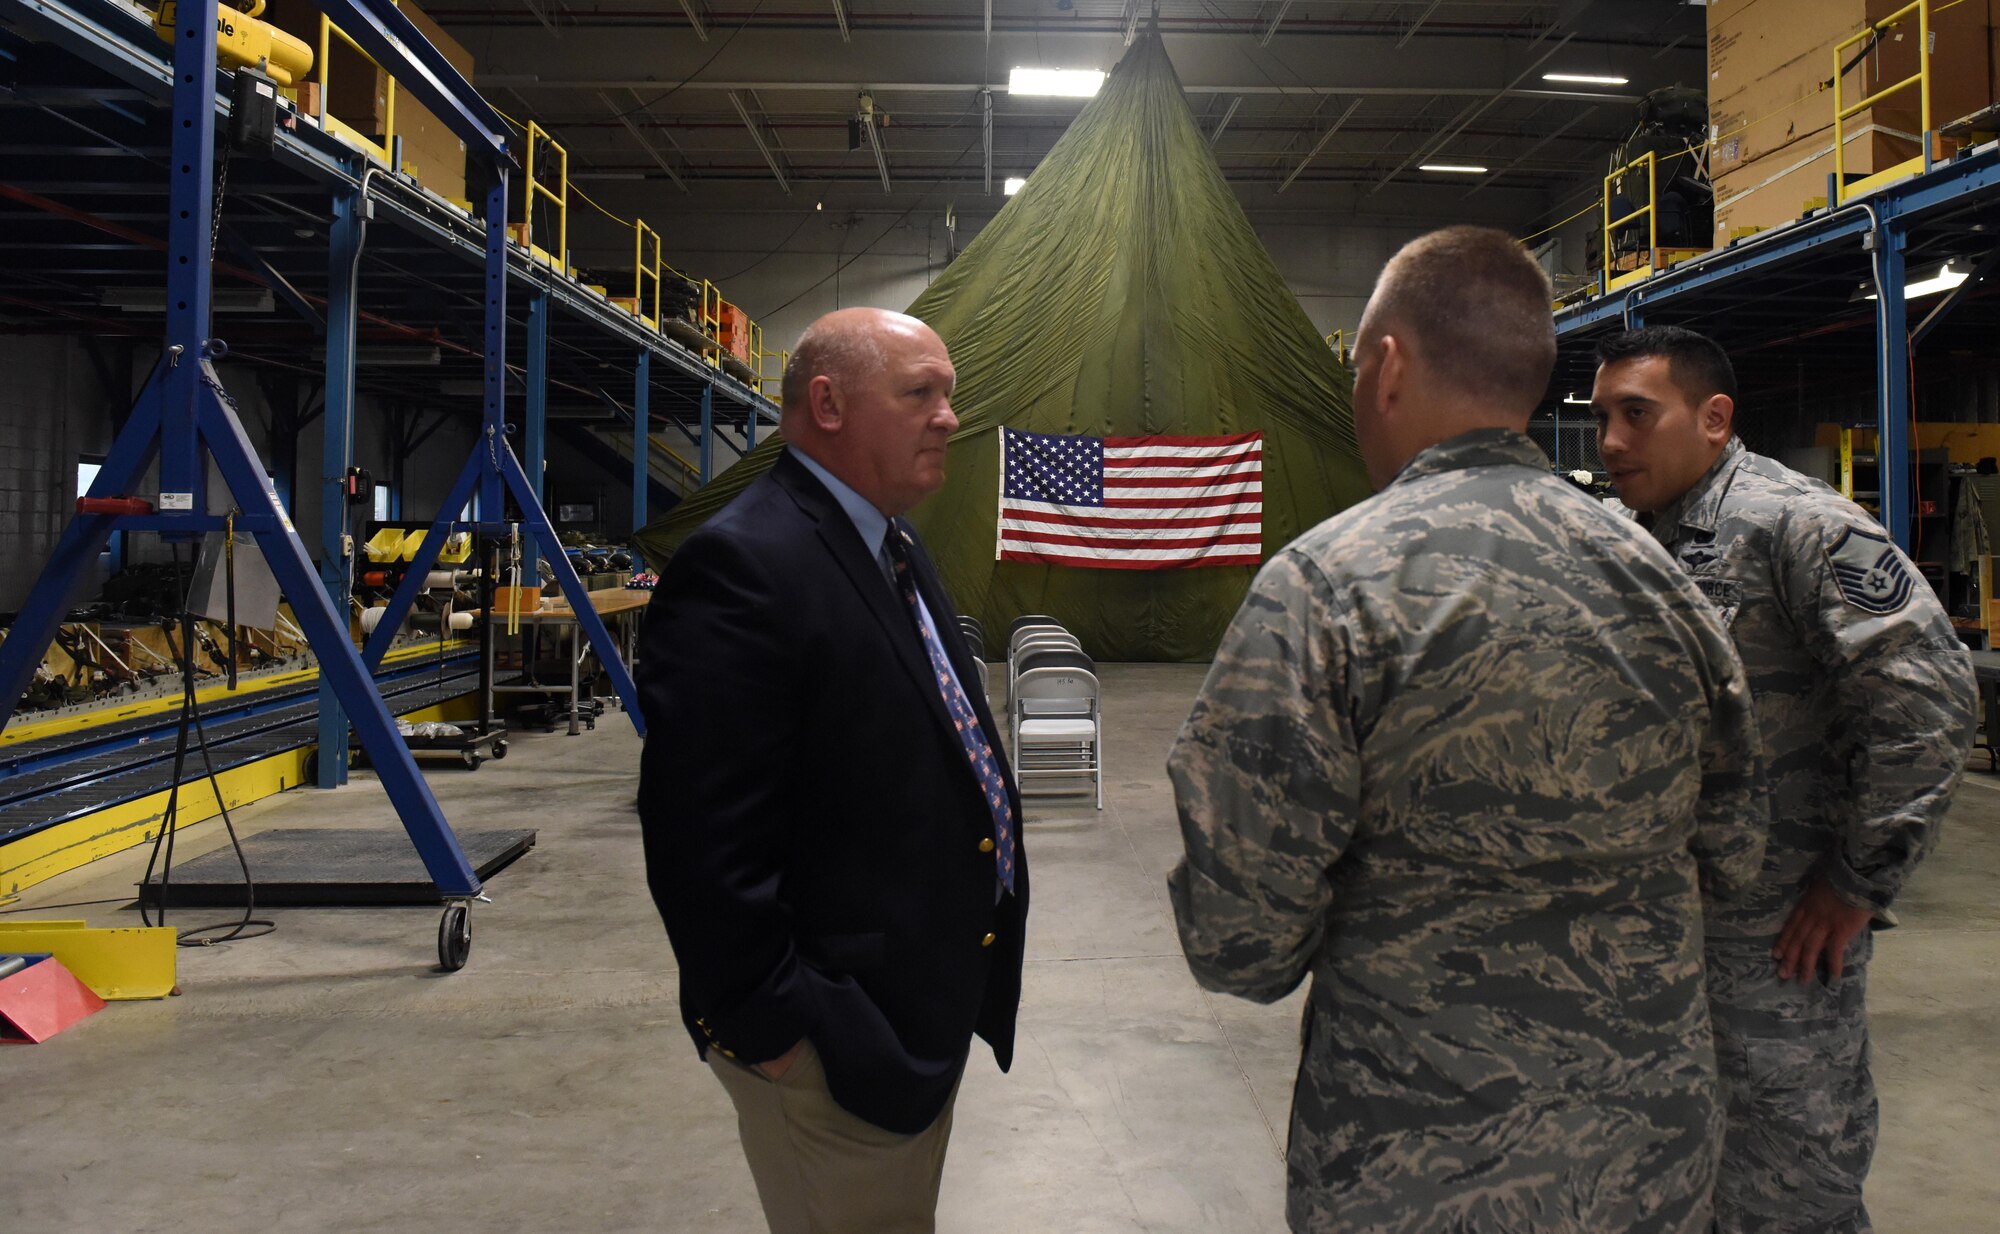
x: 327, y: 31
x: 1921, y: 79
x: 644, y: 270
x: 711, y: 322
x: 537, y: 135
x: 1652, y: 164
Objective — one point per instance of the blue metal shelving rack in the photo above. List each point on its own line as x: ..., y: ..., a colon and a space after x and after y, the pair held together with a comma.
x: 186, y: 419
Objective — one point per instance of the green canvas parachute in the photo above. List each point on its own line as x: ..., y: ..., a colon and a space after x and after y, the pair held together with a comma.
x: 1121, y: 292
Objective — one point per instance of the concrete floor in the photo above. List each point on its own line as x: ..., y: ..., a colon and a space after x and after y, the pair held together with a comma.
x: 327, y: 1079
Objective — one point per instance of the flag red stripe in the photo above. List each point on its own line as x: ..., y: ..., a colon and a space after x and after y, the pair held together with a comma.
x: 1011, y: 536
x: 1184, y: 460
x: 1126, y: 443
x: 1189, y: 503
x: 1135, y: 524
x: 1113, y: 563
x: 1111, y: 482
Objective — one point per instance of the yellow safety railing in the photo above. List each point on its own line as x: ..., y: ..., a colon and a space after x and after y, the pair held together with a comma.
x: 1337, y: 343
x: 687, y: 474
x: 327, y: 33
x: 710, y: 321
x: 1651, y: 163
x: 765, y: 377
x: 1843, y: 112
x: 646, y: 274
x: 538, y: 137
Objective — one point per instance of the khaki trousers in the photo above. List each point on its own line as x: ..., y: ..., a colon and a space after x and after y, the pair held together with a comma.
x: 822, y: 1170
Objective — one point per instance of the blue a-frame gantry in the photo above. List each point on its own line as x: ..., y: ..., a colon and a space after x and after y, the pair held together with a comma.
x: 184, y: 418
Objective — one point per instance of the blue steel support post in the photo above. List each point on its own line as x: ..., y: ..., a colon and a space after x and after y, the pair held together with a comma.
x: 707, y: 433
x: 493, y: 429
x: 1892, y: 445
x: 534, y: 435
x: 750, y: 430
x: 642, y: 439
x: 337, y: 416
x: 191, y: 191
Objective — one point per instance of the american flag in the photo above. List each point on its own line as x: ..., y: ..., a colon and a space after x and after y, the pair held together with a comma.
x: 1132, y: 503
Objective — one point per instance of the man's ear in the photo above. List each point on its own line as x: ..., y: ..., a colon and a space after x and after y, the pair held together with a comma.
x: 823, y: 403
x: 1392, y: 374
x: 1718, y: 418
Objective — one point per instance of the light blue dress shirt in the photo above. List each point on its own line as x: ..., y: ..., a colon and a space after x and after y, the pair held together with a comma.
x: 873, y: 525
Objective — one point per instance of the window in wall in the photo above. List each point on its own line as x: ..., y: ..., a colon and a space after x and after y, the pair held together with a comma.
x: 381, y: 503
x: 86, y: 473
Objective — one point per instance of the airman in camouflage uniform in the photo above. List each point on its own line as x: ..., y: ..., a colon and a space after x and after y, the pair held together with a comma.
x: 1468, y: 755
x: 1865, y: 701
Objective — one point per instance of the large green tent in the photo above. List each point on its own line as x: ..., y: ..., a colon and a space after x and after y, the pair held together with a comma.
x: 1121, y: 292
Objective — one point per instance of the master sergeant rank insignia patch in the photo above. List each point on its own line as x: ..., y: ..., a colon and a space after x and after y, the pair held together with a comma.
x: 1871, y: 573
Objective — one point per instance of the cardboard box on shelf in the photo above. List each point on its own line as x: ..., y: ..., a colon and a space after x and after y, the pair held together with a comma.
x: 356, y: 93
x: 1771, y: 65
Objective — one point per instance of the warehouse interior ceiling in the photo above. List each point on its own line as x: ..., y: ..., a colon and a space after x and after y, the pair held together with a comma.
x: 679, y: 105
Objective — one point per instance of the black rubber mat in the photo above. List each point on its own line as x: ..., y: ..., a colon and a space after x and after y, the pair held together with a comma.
x: 330, y: 867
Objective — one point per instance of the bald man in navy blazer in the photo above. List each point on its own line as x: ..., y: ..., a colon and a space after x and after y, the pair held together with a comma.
x: 832, y: 834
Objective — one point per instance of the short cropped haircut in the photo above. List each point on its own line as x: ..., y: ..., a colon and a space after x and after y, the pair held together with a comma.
x: 1477, y: 310
x: 844, y: 352
x: 1696, y: 362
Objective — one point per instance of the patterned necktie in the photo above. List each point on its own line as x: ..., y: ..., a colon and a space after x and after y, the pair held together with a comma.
x: 978, y: 751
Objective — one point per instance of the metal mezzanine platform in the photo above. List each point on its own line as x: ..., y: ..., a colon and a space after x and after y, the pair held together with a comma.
x: 1819, y: 305
x: 85, y: 125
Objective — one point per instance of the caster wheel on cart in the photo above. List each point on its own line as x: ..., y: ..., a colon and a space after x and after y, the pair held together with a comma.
x: 454, y: 937
x: 500, y: 749
x: 471, y: 760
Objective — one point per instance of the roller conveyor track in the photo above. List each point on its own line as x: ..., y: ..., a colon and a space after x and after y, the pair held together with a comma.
x: 55, y: 779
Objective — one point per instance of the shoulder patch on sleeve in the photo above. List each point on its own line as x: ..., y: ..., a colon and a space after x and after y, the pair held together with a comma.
x: 1871, y: 573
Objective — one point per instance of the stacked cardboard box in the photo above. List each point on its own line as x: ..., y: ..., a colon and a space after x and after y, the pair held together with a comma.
x: 1771, y: 64
x: 359, y: 94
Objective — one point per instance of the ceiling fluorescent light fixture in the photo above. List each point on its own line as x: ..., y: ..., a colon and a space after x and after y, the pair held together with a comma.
x: 1944, y: 280
x: 1574, y: 401
x: 1014, y: 185
x: 1587, y: 79
x: 1062, y: 83
x: 1463, y: 169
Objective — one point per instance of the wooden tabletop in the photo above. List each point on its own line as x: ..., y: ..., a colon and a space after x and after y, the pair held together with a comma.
x: 606, y: 601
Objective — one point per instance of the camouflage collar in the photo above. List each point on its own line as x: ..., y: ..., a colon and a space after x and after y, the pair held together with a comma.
x: 1485, y: 447
x: 1700, y: 507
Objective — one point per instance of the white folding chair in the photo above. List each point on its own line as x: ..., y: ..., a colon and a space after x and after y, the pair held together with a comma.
x: 1037, y: 639
x: 1068, y: 746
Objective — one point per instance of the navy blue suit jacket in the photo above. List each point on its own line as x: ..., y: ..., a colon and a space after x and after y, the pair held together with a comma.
x: 813, y: 827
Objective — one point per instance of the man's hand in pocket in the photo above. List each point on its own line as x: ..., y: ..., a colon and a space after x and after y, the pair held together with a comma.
x: 776, y: 1068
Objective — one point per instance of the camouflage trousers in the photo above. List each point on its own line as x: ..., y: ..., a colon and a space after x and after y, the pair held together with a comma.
x: 1797, y: 1093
